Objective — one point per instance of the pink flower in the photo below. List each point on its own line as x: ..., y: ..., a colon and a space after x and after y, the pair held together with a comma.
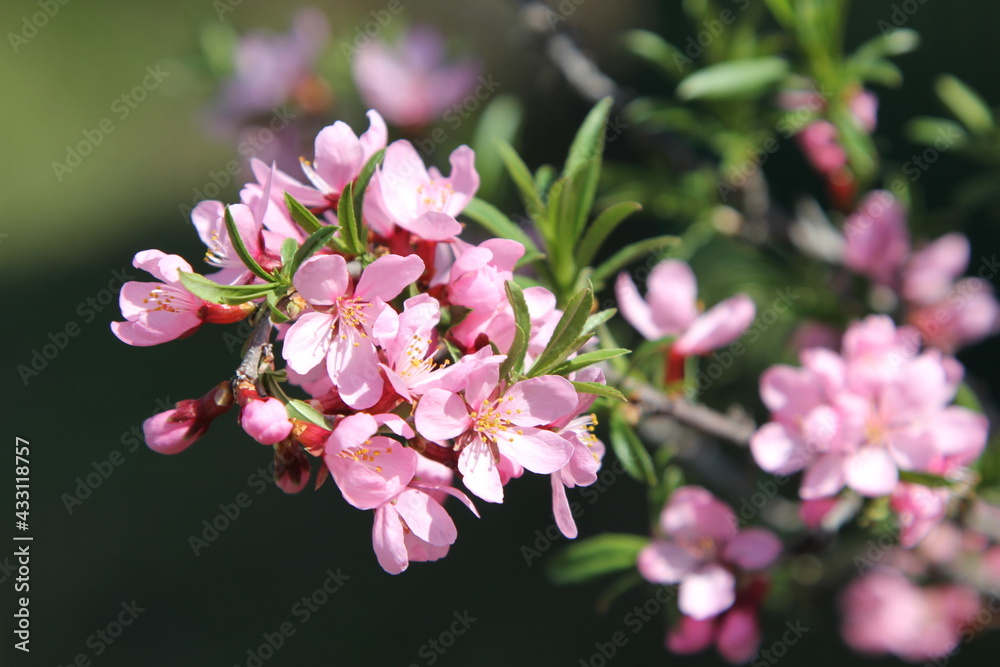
x: 702, y: 550
x: 411, y: 84
x: 920, y: 508
x: 338, y: 331
x: 268, y: 68
x: 159, y: 312
x: 859, y: 418
x: 265, y: 420
x: 414, y: 525
x: 877, y: 238
x: 968, y: 313
x: 404, y: 193
x: 671, y: 309
x: 819, y: 141
x: 735, y: 632
x: 175, y: 430
x: 883, y: 612
x: 588, y: 451
x: 370, y: 469
x: 931, y: 272
x: 489, y: 421
x: 476, y: 281
x: 409, y: 340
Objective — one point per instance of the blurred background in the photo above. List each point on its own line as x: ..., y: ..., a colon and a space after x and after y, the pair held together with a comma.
x: 113, y: 522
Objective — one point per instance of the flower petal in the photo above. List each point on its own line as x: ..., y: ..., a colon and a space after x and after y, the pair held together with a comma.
x: 665, y: 562
x: 707, y: 592
x: 717, y: 327
x: 752, y: 549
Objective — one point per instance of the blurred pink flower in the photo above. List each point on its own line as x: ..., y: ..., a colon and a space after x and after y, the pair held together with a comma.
x: 877, y: 238
x: 671, y: 309
x: 883, y: 612
x: 703, y: 550
x: 410, y: 83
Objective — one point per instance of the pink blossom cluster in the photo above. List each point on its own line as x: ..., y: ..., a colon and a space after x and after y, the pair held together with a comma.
x: 858, y: 418
x: 400, y: 349
x: 949, y: 311
x: 717, y: 566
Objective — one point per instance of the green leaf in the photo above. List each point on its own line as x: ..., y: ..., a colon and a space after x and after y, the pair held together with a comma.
x: 601, y: 228
x: 514, y: 363
x: 302, y: 216
x: 566, y: 333
x: 587, y: 359
x: 500, y: 119
x: 595, y: 557
x: 361, y: 182
x: 734, y: 79
x: 965, y: 103
x: 297, y: 409
x: 354, y: 235
x: 924, y: 478
x: 895, y: 43
x: 521, y: 176
x: 783, y: 12
x: 241, y: 249
x: 654, y: 49
x: 277, y: 316
x: 491, y: 218
x: 316, y: 240
x: 630, y: 451
x: 230, y: 295
x: 588, y: 143
x: 967, y: 398
x: 926, y: 130
x: 288, y: 248
x: 629, y: 254
x: 598, y: 389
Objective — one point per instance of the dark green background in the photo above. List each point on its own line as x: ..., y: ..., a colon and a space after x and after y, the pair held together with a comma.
x: 62, y: 243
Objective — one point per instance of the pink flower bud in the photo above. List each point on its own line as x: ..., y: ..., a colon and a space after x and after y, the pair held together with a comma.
x: 173, y: 431
x: 266, y: 421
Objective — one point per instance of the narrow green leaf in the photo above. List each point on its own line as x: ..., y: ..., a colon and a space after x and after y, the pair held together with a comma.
x: 491, y: 218
x: 595, y: 557
x: 783, y: 12
x: 361, y: 182
x: 277, y: 316
x: 241, y: 249
x: 231, y: 295
x: 354, y: 235
x: 965, y: 103
x: 587, y: 359
x: 297, y: 409
x: 316, y: 240
x: 924, y: 478
x: 521, y: 176
x: 630, y: 450
x: 601, y: 228
x: 627, y: 255
x: 734, y: 79
x: 514, y: 363
x: 598, y: 389
x: 654, y: 49
x: 302, y: 216
x: 927, y: 130
x: 566, y: 333
x: 588, y: 143
x: 288, y: 248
